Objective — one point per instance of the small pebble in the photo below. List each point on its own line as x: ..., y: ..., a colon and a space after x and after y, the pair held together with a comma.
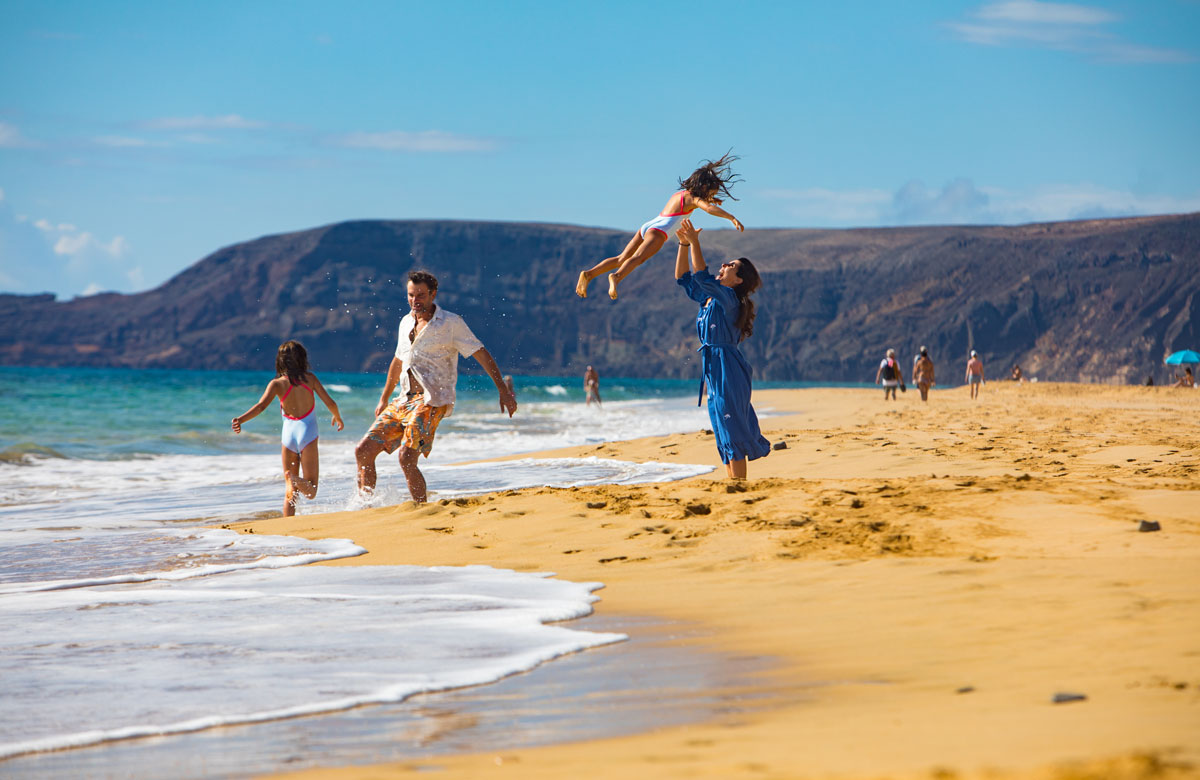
x: 966, y: 689
x: 1063, y: 698
x: 779, y: 445
x: 1149, y: 525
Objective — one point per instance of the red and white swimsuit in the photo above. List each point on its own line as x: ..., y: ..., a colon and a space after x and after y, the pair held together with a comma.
x: 669, y: 219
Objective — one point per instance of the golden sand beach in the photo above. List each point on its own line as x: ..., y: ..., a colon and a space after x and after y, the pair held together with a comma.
x: 945, y: 568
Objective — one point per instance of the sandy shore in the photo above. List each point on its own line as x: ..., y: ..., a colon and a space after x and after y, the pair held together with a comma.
x: 927, y: 577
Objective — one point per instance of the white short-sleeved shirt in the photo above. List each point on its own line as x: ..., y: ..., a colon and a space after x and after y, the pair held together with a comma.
x: 433, y: 355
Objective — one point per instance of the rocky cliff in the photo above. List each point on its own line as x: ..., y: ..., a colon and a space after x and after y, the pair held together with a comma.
x: 1100, y: 300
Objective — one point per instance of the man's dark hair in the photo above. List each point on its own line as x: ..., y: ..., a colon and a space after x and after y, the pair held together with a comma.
x: 425, y: 278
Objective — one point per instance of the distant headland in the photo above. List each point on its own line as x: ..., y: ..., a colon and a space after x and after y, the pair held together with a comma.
x: 1096, y: 300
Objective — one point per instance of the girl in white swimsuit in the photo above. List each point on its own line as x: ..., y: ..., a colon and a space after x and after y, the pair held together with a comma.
x: 699, y: 191
x: 299, y: 438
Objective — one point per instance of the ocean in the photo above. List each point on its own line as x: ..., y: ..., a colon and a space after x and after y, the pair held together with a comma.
x: 128, y: 612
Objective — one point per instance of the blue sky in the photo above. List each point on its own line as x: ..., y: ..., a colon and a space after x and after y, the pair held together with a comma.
x: 137, y: 137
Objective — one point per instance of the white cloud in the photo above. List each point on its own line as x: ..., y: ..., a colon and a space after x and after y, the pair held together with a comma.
x: 957, y: 202
x: 1085, y: 201
x: 74, y: 243
x: 1079, y: 29
x: 1045, y: 13
x: 845, y: 207
x: 11, y: 138
x: 91, y: 289
x: 44, y: 255
x: 425, y: 141
x: 961, y: 202
x: 226, y: 122
x: 121, y: 141
x: 1, y: 194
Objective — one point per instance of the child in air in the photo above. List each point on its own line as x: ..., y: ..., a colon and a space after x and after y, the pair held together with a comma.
x: 297, y: 389
x: 700, y: 191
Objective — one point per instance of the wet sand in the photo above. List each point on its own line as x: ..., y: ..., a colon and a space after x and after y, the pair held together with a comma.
x: 947, y: 568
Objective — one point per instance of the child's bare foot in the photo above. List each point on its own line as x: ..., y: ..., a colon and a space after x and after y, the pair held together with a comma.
x: 612, y: 286
x: 581, y: 285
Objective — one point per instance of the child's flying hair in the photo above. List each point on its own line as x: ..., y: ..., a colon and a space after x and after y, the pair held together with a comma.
x: 712, y: 178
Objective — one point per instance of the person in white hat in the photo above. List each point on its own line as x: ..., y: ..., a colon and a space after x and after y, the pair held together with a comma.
x: 890, y: 375
x: 975, y: 373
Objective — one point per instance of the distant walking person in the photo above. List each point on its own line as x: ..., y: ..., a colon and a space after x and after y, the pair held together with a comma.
x: 591, y: 387
x: 923, y: 373
x: 726, y: 317
x: 297, y: 389
x: 890, y: 374
x: 426, y: 368
x: 975, y: 373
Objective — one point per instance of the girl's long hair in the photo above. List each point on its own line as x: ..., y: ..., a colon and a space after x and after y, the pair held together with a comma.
x: 751, y: 281
x: 291, y: 361
x: 711, y: 178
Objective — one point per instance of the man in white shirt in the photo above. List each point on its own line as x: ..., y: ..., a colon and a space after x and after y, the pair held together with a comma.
x: 426, y: 368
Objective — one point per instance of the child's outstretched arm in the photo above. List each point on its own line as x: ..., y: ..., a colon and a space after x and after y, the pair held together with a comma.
x: 709, y: 207
x: 330, y: 404
x: 254, y: 411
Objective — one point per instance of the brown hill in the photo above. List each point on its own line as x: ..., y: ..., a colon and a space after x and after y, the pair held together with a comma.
x: 1100, y: 300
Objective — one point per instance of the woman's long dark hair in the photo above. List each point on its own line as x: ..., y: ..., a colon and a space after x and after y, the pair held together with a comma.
x: 712, y: 177
x: 291, y: 361
x: 751, y: 281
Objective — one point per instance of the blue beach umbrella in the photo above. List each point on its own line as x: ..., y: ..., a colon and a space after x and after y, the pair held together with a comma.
x: 1183, y: 357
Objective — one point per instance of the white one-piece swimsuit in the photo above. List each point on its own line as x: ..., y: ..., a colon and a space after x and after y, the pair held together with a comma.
x: 299, y: 432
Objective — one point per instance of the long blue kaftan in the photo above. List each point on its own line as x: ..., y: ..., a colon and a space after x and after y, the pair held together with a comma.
x: 726, y: 372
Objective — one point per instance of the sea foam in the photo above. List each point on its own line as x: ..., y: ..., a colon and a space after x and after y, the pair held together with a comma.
x: 115, y: 662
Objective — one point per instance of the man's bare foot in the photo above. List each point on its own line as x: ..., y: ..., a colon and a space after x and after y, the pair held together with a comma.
x: 612, y: 286
x: 581, y: 285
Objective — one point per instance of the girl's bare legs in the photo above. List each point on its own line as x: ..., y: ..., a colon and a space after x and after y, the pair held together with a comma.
x: 650, y: 245
x: 307, y: 462
x: 606, y: 265
x: 736, y: 469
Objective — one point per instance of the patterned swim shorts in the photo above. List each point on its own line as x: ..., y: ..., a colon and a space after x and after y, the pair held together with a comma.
x: 408, y: 421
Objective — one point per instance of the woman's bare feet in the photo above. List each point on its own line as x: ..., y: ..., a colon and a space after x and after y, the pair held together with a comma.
x: 581, y: 285
x: 612, y: 286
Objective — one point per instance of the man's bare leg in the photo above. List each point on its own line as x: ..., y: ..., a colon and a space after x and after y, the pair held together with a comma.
x: 365, y: 454
x: 412, y: 474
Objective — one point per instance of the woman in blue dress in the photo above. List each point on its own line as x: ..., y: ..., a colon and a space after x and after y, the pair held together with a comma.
x: 726, y: 317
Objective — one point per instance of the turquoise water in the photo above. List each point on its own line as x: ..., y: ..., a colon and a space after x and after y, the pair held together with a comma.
x: 107, y: 413
x: 113, y: 483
